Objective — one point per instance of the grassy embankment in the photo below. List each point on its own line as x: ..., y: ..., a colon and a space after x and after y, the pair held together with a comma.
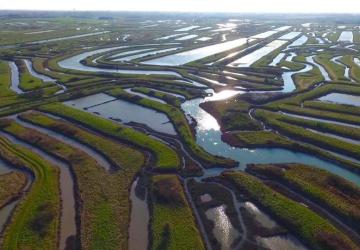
x: 321, y: 91
x: 169, y: 99
x: 123, y: 158
x: 53, y: 64
x: 326, y: 189
x: 269, y: 139
x: 129, y: 157
x: 40, y: 64
x: 326, y: 127
x: 166, y: 159
x: 333, y: 36
x: 35, y: 221
x: 348, y: 60
x: 309, y: 78
x: 311, y: 40
x: 356, y: 34
x: 333, y: 107
x: 180, y: 123
x: 11, y: 187
x: 291, y: 65
x: 218, y: 196
x: 189, y: 92
x: 32, y: 99
x: 307, y: 225
x: 285, y: 126
x: 335, y: 71
x: 173, y: 225
x: 5, y: 80
x: 104, y: 207
x: 27, y: 81
x: 233, y: 114
x: 317, y: 113
x: 7, y: 95
x: 326, y: 110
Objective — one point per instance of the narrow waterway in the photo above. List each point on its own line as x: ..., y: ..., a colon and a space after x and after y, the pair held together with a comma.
x: 124, y: 112
x: 30, y: 68
x: 98, y: 157
x: 223, y: 231
x: 44, y: 78
x: 74, y: 63
x: 347, y: 69
x: 289, y: 84
x: 139, y: 221
x: 68, y: 223
x: 310, y: 59
x: 6, y: 211
x: 209, y: 137
x: 15, y: 78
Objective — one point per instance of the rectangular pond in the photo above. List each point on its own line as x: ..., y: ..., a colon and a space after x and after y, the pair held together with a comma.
x: 149, y: 53
x: 249, y: 59
x: 199, y: 53
x: 119, y: 110
x: 184, y: 38
x: 188, y: 28
x: 342, y: 99
x: 346, y: 36
x: 196, y: 54
x: 130, y: 52
x: 170, y: 36
x: 290, y: 35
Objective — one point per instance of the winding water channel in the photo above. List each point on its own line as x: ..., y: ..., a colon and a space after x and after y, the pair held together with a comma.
x: 5, y: 212
x: 15, y: 78
x: 74, y: 63
x: 68, y: 223
x: 139, y: 221
x: 208, y: 135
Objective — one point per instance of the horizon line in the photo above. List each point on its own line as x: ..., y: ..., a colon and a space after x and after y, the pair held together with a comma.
x: 185, y: 12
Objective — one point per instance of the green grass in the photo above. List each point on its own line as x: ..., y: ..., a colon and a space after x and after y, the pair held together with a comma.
x: 187, y: 92
x: 180, y: 123
x: 105, y: 207
x: 256, y: 139
x: 333, y: 36
x: 333, y: 107
x: 11, y: 185
x: 319, y: 92
x: 275, y: 121
x: 169, y: 99
x: 28, y: 81
x: 326, y: 127
x: 329, y: 115
x: 39, y: 65
x: 42, y: 198
x: 232, y: 114
x: 335, y: 71
x: 326, y: 189
x: 293, y: 66
x: 307, y: 79
x: 266, y: 139
x: 220, y: 196
x: 120, y: 155
x: 7, y: 96
x: 316, y: 231
x: 354, y: 68
x: 5, y: 80
x: 166, y: 158
x: 173, y: 225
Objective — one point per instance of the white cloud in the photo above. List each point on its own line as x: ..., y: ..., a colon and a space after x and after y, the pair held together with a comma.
x: 287, y: 6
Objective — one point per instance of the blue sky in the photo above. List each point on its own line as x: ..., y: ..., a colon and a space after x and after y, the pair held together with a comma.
x: 287, y: 6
